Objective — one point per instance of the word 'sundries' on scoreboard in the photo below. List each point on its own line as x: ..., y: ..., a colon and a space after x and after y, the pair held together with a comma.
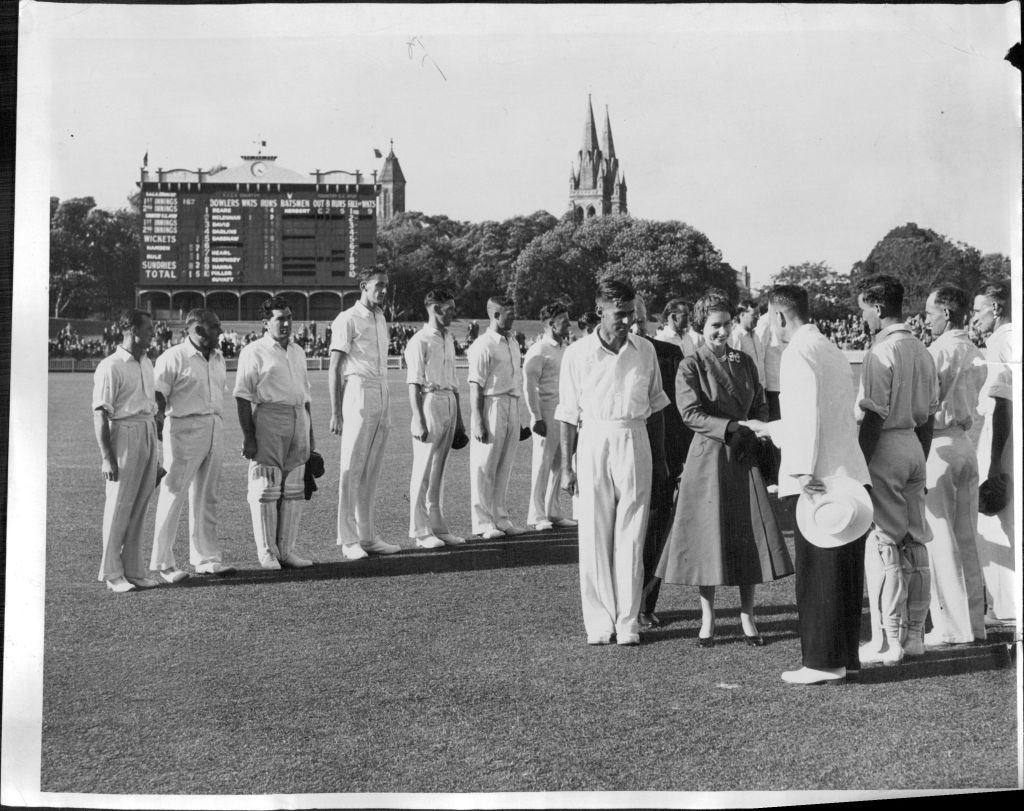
x: 252, y: 238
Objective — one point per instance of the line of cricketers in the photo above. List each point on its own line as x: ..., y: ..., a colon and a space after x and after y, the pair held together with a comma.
x: 180, y: 402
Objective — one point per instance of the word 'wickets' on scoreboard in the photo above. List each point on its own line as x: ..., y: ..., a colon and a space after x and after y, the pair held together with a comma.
x: 226, y: 237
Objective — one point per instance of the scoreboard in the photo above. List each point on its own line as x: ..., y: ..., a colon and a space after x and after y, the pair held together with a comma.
x: 209, y: 237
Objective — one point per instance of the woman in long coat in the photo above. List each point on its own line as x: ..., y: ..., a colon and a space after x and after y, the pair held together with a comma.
x: 724, y: 532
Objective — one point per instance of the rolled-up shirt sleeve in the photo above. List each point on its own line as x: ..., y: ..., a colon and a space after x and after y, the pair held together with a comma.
x: 568, y: 409
x: 532, y: 368
x: 103, y: 388
x: 876, y: 387
x: 479, y: 364
x: 342, y: 333
x: 416, y: 361
x: 246, y: 377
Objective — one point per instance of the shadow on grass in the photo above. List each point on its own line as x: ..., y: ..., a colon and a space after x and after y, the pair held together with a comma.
x: 949, y: 661
x: 533, y: 549
x: 728, y: 630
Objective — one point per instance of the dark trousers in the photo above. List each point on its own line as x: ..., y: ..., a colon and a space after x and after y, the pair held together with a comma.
x: 829, y: 589
x: 663, y: 504
x: 772, y: 457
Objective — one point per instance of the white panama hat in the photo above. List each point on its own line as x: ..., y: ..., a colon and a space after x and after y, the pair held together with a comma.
x: 836, y: 517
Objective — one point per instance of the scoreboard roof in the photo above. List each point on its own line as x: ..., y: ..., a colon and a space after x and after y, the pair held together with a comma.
x: 256, y: 170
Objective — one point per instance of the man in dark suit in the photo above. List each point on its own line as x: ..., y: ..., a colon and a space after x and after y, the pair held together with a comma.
x: 663, y: 493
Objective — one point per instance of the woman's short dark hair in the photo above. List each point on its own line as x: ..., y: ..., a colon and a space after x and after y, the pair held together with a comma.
x: 714, y: 301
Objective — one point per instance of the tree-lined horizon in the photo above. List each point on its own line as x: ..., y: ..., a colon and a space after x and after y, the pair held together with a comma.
x: 535, y: 259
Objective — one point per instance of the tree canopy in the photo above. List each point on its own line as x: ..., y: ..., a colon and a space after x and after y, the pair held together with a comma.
x: 828, y: 292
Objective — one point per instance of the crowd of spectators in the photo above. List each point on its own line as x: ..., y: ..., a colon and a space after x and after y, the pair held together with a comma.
x: 846, y: 333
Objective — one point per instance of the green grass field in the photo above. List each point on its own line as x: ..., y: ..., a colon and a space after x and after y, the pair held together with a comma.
x: 454, y: 670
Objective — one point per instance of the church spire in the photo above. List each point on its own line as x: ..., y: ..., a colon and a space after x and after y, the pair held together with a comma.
x: 589, y: 130
x: 609, y: 144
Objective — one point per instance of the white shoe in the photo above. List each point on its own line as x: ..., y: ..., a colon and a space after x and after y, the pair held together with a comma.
x: 632, y: 639
x: 809, y: 675
x: 429, y: 542
x: 215, y: 568
x: 120, y: 585
x: 891, y: 654
x: 566, y: 522
x: 172, y: 575
x: 380, y: 547
x: 512, y: 529
x: 353, y: 551
x: 491, y: 534
x: 293, y: 561
x: 270, y: 562
x: 540, y: 526
x: 451, y: 540
x: 143, y: 582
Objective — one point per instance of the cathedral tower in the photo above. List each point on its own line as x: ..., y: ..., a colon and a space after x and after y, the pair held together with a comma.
x: 597, y: 186
x: 391, y: 197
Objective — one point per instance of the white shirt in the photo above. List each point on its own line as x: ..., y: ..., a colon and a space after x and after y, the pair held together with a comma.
x: 268, y: 373
x: 123, y: 386
x: 191, y: 384
x: 817, y: 432
x: 597, y: 384
x: 541, y: 369
x: 362, y: 334
x: 772, y: 348
x: 898, y: 380
x: 685, y: 342
x: 999, y: 381
x: 430, y: 358
x: 961, y: 372
x: 747, y: 342
x: 495, y: 364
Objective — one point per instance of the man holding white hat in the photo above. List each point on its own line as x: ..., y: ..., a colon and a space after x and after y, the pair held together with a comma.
x: 823, y: 464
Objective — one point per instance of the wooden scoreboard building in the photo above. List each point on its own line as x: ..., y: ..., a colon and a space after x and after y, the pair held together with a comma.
x: 226, y: 239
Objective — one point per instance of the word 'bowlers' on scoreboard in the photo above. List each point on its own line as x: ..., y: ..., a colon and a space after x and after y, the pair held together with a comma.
x: 256, y: 238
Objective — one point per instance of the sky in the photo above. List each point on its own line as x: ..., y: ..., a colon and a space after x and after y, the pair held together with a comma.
x: 785, y: 133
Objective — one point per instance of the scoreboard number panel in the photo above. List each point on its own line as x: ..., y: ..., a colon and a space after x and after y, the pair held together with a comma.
x: 225, y: 237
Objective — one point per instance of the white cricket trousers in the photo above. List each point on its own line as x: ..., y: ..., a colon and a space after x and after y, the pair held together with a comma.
x: 490, y: 463
x: 133, y: 441
x: 614, y: 479
x: 895, y: 556
x: 366, y: 418
x: 426, y: 484
x: 193, y: 457
x: 546, y: 472
x: 951, y: 506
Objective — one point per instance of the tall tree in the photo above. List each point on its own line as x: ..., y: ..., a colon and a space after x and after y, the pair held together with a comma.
x: 828, y: 291
x: 921, y: 259
x: 71, y: 281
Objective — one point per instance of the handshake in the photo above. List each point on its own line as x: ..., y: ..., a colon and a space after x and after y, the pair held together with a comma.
x: 758, y: 427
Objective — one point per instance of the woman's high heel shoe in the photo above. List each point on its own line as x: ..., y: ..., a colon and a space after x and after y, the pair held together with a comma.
x: 706, y: 641
x: 755, y: 641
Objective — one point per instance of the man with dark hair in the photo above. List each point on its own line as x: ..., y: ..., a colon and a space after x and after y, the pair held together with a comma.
x: 610, y: 381
x: 996, y: 537
x: 436, y: 418
x: 190, y: 382
x: 951, y: 505
x: 896, y: 405
x: 124, y: 406
x: 674, y: 439
x: 743, y: 336
x: 361, y: 414
x: 818, y: 439
x: 273, y: 399
x: 495, y: 383
x: 540, y: 390
x: 675, y: 320
x: 588, y: 322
